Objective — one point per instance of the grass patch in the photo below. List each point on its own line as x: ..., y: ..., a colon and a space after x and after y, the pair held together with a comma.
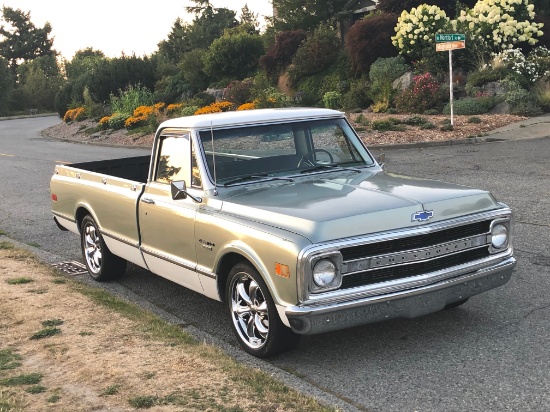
x: 52, y: 322
x: 40, y: 291
x: 34, y: 244
x: 35, y: 389
x: 9, y: 359
x: 46, y: 333
x: 110, y: 390
x: 145, y: 402
x: 27, y: 379
x: 85, y: 333
x: 2, y: 233
x: 53, y: 399
x: 19, y: 281
x: 59, y: 281
x: 6, y: 245
x: 150, y: 322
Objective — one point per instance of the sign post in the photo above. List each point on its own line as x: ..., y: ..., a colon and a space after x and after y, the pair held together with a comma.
x: 450, y: 42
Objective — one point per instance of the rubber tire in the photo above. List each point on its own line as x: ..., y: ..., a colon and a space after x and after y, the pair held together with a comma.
x: 280, y: 338
x: 111, y: 267
x: 456, y: 304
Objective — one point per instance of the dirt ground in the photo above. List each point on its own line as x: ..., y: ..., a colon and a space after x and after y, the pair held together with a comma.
x: 362, y: 122
x: 100, y: 360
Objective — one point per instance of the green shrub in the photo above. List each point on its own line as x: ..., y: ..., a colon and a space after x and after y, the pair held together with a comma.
x: 130, y: 99
x: 542, y: 94
x: 316, y: 54
x: 415, y: 121
x: 466, y: 106
x: 423, y: 93
x: 239, y: 92
x: 427, y: 126
x: 116, y: 121
x: 474, y: 119
x: 447, y: 127
x: 386, y: 125
x: 332, y: 100
x: 382, y: 74
x: 189, y: 110
x: 358, y: 96
x: 481, y: 77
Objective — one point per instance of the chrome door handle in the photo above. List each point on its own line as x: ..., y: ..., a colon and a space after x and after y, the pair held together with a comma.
x: 147, y: 200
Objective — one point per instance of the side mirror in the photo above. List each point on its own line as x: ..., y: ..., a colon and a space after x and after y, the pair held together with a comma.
x: 178, y: 190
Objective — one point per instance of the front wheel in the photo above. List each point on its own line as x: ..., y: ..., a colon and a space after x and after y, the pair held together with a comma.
x: 102, y: 265
x: 253, y: 315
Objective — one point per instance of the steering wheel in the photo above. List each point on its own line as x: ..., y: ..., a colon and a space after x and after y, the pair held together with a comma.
x: 310, y: 158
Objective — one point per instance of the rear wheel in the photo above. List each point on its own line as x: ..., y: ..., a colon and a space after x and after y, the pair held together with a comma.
x: 102, y: 265
x: 253, y: 315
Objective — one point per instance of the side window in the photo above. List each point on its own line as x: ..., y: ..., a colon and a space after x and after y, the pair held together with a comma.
x: 173, y: 158
x: 196, y: 180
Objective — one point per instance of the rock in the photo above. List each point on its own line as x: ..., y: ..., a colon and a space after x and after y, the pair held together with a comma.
x: 403, y: 82
x: 501, y: 108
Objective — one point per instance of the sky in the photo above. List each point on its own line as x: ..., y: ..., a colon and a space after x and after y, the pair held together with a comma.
x: 115, y: 26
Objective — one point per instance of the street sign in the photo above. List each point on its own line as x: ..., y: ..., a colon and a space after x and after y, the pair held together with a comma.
x: 450, y: 45
x: 442, y: 38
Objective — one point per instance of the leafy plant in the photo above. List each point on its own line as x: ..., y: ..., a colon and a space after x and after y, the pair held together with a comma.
x: 466, y: 106
x: 423, y: 93
x: 332, y: 100
x: 27, y: 379
x: 382, y: 74
x: 474, y: 119
x: 130, y: 99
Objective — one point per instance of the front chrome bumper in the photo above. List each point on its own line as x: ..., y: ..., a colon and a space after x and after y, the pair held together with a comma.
x: 410, y: 303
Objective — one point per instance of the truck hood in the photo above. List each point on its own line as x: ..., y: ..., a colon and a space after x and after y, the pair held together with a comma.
x: 340, y: 204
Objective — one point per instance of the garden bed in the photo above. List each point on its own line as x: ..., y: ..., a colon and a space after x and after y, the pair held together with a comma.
x: 424, y: 128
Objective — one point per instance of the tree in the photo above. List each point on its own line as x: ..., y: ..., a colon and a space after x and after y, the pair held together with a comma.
x: 6, y: 86
x: 84, y: 61
x: 304, y: 14
x: 208, y: 25
x: 249, y: 20
x: 450, y: 7
x: 39, y: 82
x: 370, y: 39
x: 233, y: 56
x: 23, y: 41
x: 280, y: 54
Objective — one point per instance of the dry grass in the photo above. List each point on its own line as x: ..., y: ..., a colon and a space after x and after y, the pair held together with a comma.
x: 110, y: 355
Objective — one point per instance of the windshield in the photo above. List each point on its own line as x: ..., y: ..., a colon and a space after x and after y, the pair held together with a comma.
x: 282, y: 149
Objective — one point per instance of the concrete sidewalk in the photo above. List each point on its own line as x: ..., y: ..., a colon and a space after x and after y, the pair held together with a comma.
x: 531, y: 128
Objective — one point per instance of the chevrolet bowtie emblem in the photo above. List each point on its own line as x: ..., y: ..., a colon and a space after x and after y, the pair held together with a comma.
x: 422, y: 216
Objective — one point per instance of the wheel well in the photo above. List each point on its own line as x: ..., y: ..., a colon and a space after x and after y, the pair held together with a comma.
x: 224, y: 267
x: 81, y: 213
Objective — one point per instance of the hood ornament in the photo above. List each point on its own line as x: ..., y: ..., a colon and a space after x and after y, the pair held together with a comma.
x: 422, y: 216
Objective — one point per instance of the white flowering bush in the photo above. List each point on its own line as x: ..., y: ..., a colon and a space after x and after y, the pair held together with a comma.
x: 415, y: 30
x: 499, y: 24
x: 532, y: 67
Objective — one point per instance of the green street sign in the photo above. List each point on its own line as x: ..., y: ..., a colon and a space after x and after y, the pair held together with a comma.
x: 442, y: 38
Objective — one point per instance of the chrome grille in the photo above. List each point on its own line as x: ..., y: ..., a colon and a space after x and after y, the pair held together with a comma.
x: 415, y: 242
x: 414, y: 255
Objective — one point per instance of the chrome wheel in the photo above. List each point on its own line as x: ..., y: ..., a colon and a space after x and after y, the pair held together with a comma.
x: 92, y: 248
x: 249, y: 311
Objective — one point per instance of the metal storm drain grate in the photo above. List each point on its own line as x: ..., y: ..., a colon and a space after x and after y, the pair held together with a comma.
x: 71, y: 268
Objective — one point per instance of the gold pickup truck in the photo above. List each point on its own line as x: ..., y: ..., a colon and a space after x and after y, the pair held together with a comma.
x: 284, y: 215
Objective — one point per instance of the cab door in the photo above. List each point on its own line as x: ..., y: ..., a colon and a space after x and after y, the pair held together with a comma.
x: 167, y: 226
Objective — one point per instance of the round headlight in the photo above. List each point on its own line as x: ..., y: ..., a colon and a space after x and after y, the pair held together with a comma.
x: 324, y: 272
x: 499, y: 236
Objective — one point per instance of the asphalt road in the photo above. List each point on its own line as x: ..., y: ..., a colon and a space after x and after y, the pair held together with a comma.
x: 491, y: 354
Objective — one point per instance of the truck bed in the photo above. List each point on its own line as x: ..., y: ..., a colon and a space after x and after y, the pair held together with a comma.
x: 130, y: 168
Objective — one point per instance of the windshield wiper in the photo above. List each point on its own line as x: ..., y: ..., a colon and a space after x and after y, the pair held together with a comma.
x: 262, y: 176
x: 331, y: 166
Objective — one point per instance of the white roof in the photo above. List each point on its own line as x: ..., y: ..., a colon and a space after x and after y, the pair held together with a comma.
x: 249, y: 117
